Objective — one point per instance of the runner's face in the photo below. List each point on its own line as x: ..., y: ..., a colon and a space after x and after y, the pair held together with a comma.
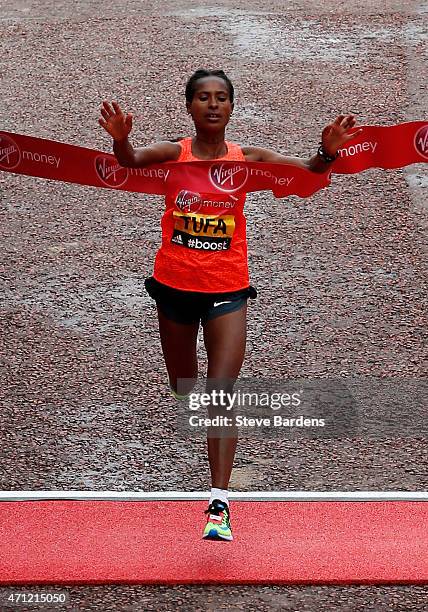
x: 211, y: 106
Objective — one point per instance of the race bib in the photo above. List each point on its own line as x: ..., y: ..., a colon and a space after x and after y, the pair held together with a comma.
x: 203, y: 232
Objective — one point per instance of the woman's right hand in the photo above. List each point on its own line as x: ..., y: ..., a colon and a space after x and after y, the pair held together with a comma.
x: 114, y: 121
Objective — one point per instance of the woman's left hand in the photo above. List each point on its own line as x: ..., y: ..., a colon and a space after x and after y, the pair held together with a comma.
x: 335, y: 135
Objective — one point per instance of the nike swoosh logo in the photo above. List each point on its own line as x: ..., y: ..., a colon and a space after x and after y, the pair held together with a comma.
x: 220, y: 303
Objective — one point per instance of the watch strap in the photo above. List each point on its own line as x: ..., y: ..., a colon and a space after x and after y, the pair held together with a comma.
x: 324, y: 156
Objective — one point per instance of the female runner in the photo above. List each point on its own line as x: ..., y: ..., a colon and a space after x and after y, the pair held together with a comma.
x: 201, y: 271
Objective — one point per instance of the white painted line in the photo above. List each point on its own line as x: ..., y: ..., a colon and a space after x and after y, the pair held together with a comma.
x: 204, y: 495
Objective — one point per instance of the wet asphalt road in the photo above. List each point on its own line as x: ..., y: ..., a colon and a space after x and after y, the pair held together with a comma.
x: 341, y: 276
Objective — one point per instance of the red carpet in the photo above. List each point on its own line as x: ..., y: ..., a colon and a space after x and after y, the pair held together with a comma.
x: 100, y: 542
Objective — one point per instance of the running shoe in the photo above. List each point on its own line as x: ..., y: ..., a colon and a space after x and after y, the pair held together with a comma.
x: 180, y: 398
x: 218, y: 522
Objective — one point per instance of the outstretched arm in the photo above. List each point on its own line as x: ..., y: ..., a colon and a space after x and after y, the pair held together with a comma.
x: 334, y: 136
x: 119, y: 126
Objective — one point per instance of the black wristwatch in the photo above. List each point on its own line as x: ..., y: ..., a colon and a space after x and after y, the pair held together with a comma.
x: 327, y: 158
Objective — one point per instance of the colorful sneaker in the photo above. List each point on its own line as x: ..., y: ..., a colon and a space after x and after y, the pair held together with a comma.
x: 218, y: 522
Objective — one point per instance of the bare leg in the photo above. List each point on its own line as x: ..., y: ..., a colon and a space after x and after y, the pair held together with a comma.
x: 179, y: 350
x: 225, y: 339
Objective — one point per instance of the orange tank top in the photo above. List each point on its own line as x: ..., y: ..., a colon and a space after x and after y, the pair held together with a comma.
x: 204, y: 242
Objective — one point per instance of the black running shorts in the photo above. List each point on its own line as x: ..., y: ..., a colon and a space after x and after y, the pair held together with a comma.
x: 192, y: 306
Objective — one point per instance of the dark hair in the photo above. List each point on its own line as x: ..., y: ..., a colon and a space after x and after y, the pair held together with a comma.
x: 200, y: 74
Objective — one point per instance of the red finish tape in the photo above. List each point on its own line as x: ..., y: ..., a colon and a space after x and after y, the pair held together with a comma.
x: 376, y: 146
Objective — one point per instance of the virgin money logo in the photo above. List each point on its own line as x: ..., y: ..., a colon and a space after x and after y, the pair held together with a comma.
x: 228, y: 177
x: 421, y: 141
x: 188, y: 201
x: 10, y: 153
x: 110, y: 172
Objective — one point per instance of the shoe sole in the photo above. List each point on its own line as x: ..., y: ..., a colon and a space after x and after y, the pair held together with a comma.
x: 214, y: 536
